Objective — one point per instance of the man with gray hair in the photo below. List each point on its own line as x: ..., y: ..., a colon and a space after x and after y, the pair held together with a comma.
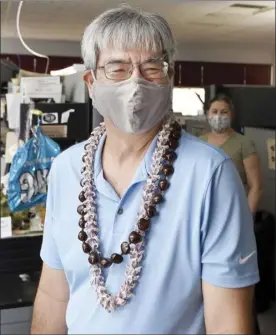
x: 148, y: 229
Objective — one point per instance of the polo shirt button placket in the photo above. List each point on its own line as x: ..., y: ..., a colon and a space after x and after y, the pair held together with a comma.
x: 120, y: 211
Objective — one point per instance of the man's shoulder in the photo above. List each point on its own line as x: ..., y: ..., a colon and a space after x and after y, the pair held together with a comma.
x: 198, y: 149
x: 70, y: 157
x: 198, y: 160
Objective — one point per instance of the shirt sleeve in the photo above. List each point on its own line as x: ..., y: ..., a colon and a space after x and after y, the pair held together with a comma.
x: 248, y: 148
x: 228, y: 246
x: 49, y: 252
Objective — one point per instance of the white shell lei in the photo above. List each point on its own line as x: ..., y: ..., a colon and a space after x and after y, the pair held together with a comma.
x: 133, y: 269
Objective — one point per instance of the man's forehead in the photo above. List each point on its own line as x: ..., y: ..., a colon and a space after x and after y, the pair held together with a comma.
x: 134, y: 56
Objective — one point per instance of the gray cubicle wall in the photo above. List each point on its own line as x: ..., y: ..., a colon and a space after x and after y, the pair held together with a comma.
x: 260, y: 137
x: 16, y: 321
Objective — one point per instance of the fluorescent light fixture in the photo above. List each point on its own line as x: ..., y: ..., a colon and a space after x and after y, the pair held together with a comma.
x: 75, y: 68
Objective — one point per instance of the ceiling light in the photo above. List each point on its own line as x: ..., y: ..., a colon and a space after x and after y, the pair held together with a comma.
x: 75, y: 68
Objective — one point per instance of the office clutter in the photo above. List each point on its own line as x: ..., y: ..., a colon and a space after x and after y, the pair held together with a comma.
x: 271, y: 153
x: 29, y: 172
x: 13, y: 107
x: 27, y: 150
x: 41, y: 88
x: 197, y: 125
x: 261, y: 137
x: 22, y: 222
x: 25, y: 185
x: 66, y: 119
x: 67, y: 123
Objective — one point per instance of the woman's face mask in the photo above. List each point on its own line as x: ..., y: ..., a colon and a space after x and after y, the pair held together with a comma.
x: 219, y: 116
x: 133, y: 105
x: 219, y: 123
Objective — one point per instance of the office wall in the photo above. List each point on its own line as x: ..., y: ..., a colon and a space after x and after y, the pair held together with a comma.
x: 273, y: 69
x: 52, y: 48
x: 260, y: 136
x: 226, y: 52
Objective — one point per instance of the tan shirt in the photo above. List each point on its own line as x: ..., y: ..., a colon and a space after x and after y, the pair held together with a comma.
x: 238, y: 147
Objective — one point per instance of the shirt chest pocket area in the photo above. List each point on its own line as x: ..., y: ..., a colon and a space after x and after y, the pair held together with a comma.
x: 69, y: 247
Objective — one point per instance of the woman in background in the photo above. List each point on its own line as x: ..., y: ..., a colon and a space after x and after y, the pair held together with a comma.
x: 238, y: 147
x: 241, y: 150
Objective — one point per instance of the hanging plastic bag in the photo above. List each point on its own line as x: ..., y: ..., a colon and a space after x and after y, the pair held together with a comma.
x: 29, y: 172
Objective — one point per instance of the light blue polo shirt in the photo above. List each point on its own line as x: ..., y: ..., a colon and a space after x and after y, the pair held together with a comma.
x: 203, y: 231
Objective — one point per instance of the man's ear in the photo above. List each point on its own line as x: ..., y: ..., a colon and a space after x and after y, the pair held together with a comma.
x: 88, y: 78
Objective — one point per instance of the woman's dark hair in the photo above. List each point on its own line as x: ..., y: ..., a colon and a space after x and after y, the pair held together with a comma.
x: 224, y: 98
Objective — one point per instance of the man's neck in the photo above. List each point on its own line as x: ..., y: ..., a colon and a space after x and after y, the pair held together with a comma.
x: 122, y: 155
x: 124, y: 147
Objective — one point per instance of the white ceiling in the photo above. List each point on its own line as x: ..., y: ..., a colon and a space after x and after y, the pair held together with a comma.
x: 191, y: 21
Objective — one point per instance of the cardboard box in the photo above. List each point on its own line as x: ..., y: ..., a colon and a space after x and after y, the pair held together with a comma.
x: 55, y: 131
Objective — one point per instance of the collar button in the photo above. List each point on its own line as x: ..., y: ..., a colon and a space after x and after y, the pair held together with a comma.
x: 120, y: 211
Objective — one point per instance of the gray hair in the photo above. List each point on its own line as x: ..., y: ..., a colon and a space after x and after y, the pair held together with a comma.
x: 127, y: 28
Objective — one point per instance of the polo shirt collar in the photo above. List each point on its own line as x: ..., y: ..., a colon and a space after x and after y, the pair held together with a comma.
x: 141, y: 174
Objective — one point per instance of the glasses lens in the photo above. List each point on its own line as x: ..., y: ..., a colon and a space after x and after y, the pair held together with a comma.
x: 118, y: 71
x: 154, y: 70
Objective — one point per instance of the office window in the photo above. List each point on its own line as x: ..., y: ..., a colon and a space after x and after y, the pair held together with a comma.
x: 188, y: 101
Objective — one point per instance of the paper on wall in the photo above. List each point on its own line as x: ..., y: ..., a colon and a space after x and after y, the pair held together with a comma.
x: 13, y: 110
x: 6, y: 227
x: 11, y: 146
x: 58, y: 98
x: 65, y: 115
x: 271, y: 153
x: 38, y: 80
x: 34, y: 89
x: 3, y: 107
x: 5, y: 183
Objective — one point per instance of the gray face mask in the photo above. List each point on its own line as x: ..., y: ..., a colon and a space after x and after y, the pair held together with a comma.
x: 133, y: 105
x: 219, y: 123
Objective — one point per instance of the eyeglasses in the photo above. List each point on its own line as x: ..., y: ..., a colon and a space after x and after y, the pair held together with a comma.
x: 150, y: 70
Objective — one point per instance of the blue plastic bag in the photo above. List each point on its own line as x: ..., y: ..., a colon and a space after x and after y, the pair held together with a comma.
x: 29, y: 172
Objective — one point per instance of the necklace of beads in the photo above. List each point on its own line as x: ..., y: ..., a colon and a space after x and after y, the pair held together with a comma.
x: 153, y: 196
